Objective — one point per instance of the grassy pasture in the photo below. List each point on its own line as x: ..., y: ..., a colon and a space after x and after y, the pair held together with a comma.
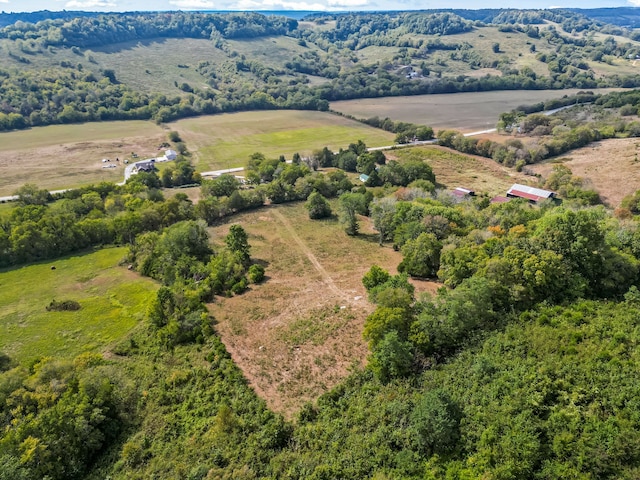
x: 223, y: 141
x: 297, y: 335
x: 466, y: 112
x: 156, y: 63
x: 113, y: 301
x: 65, y: 156
x: 453, y: 169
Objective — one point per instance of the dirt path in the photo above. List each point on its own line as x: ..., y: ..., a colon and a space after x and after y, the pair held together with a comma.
x: 326, y: 278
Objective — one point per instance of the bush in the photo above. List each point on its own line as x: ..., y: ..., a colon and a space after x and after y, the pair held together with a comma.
x: 64, y: 306
x: 255, y: 273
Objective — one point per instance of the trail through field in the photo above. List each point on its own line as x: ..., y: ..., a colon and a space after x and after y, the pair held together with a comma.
x: 326, y: 278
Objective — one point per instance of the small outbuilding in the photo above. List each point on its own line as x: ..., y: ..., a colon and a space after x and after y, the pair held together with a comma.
x: 532, y: 194
x: 463, y: 192
x: 500, y: 199
x: 171, y: 154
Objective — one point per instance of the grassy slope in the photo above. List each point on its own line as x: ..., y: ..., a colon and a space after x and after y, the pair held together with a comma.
x: 223, y: 141
x: 113, y: 301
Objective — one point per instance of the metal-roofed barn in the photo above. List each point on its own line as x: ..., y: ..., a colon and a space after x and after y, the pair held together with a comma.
x: 529, y: 193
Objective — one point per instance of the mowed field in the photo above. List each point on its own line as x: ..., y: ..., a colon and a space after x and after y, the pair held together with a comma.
x: 224, y: 141
x: 465, y: 112
x: 611, y: 167
x: 66, y: 156
x: 113, y: 300
x: 298, y: 334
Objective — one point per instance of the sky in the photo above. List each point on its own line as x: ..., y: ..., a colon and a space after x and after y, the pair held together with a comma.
x: 328, y: 5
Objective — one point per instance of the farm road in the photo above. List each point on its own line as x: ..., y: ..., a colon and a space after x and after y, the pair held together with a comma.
x: 326, y: 278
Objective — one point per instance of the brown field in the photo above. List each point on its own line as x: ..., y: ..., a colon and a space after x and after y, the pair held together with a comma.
x: 299, y: 333
x: 65, y: 156
x: 611, y: 167
x: 465, y: 112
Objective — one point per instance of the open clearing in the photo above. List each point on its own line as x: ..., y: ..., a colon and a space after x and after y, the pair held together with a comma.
x: 465, y: 112
x: 453, y: 169
x: 113, y: 301
x: 297, y: 335
x: 66, y: 156
x: 227, y: 140
x: 611, y: 167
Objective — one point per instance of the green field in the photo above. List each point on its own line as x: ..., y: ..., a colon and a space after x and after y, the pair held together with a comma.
x: 223, y: 141
x: 466, y: 112
x: 113, y: 301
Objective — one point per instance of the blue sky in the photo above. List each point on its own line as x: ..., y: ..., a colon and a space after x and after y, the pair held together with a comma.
x: 137, y: 5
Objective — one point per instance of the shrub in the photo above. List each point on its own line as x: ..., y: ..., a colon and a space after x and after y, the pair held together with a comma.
x: 63, y: 306
x: 255, y: 273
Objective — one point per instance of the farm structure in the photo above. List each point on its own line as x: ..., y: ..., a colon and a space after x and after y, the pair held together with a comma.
x: 463, y: 192
x: 144, y: 165
x: 532, y: 194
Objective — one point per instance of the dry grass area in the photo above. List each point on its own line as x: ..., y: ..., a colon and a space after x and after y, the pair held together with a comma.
x: 300, y: 332
x: 66, y: 156
x: 611, y: 167
x: 465, y: 112
x: 453, y: 169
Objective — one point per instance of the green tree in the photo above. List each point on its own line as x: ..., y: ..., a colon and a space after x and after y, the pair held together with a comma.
x: 383, y: 214
x: 436, y: 421
x: 421, y: 257
x: 391, y: 358
x: 350, y: 205
x: 318, y: 206
x: 237, y: 242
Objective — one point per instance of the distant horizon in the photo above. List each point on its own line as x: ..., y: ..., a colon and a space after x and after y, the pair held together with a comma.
x: 310, y: 6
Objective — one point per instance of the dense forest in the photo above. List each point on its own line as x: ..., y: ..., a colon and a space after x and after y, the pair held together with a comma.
x: 54, y: 71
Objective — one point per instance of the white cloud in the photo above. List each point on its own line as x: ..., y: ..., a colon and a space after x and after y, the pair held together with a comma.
x: 90, y: 4
x: 4, y: 1
x: 192, y: 4
x: 297, y: 5
x: 348, y: 3
x: 277, y: 5
x: 635, y: 3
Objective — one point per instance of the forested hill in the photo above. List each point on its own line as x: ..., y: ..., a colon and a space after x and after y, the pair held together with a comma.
x: 169, y: 65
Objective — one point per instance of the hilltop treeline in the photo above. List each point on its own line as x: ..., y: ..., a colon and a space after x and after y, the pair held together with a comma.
x: 107, y: 29
x: 50, y: 75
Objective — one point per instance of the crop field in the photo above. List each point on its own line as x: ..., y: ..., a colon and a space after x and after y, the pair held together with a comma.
x: 465, y: 112
x: 223, y: 141
x: 65, y: 156
x: 611, y: 167
x: 453, y: 169
x: 298, y: 334
x: 112, y: 299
